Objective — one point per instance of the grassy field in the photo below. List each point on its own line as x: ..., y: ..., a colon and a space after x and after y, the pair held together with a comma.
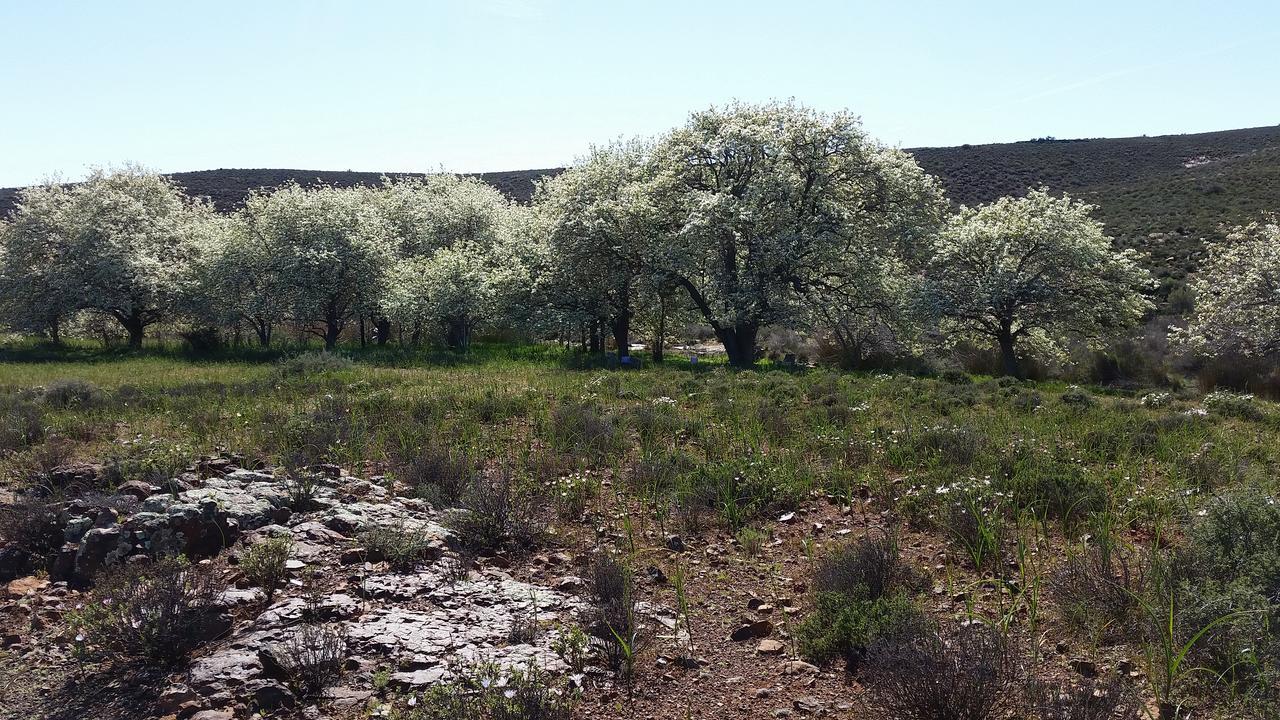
x: 1112, y: 522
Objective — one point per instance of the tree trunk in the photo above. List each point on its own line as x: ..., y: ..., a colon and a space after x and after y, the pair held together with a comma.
x: 264, y: 333
x: 1008, y: 354
x: 740, y: 343
x: 134, y: 326
x: 593, y: 343
x: 457, y: 335
x: 363, y: 339
x: 660, y: 337
x: 332, y: 329
x: 621, y: 329
x: 382, y: 330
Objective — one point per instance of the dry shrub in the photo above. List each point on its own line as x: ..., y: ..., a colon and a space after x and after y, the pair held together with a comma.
x: 971, y: 673
x: 156, y: 614
x: 312, y: 658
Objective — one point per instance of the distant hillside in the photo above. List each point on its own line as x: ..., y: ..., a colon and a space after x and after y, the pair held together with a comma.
x: 1163, y: 194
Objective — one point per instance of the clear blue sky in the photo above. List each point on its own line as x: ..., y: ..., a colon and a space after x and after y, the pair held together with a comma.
x: 473, y: 85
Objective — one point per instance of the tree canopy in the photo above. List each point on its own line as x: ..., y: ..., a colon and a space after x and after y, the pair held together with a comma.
x: 1036, y: 271
x: 120, y: 243
x: 780, y: 209
x: 1237, y: 295
x: 747, y: 218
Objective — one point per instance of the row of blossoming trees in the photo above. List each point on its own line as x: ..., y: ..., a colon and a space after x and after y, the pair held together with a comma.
x: 747, y: 217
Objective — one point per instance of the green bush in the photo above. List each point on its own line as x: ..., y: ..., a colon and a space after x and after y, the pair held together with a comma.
x: 1226, y: 584
x: 403, y: 546
x: 861, y: 596
x: 488, y: 692
x: 949, y: 445
x: 844, y: 627
x: 1232, y: 404
x: 1059, y: 490
x: 263, y: 563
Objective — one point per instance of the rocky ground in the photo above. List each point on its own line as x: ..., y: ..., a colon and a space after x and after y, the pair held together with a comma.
x: 730, y: 655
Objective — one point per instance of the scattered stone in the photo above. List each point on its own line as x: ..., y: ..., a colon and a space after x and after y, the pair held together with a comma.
x: 769, y: 646
x: 1086, y: 668
x: 808, y: 705
x: 137, y: 488
x: 417, y: 679
x: 799, y: 667
x: 749, y: 631
x: 175, y: 698
x: 570, y: 584
x: 268, y: 695
x: 26, y: 586
x: 213, y: 715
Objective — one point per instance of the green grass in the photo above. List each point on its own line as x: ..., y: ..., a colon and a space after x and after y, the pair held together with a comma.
x: 759, y: 441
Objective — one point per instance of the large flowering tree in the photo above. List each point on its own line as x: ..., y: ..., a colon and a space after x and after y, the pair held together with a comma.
x: 31, y: 299
x: 455, y: 240
x: 1032, y: 273
x: 600, y: 227
x: 1237, y: 295
x: 239, y: 282
x: 121, y: 243
x: 328, y: 249
x: 780, y: 211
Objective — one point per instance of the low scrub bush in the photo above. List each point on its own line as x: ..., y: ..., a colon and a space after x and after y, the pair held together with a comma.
x: 489, y: 692
x: 751, y: 540
x: 437, y: 474
x: 311, y: 658
x: 957, y: 446
x: 741, y: 492
x: 1088, y: 700
x: 156, y: 614
x: 21, y: 422
x: 975, y: 522
x: 1076, y: 397
x: 618, y: 634
x: 861, y: 596
x: 312, y: 363
x: 971, y: 673
x: 490, y: 516
x: 29, y: 527
x: 263, y: 564
x: 302, y: 486
x: 1098, y: 590
x: 403, y: 546
x: 73, y: 393
x: 585, y: 427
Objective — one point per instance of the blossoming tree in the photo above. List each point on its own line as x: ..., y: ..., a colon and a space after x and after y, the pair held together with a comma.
x: 121, y: 243
x: 780, y: 210
x: 329, y: 248
x: 1237, y: 295
x: 1032, y: 272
